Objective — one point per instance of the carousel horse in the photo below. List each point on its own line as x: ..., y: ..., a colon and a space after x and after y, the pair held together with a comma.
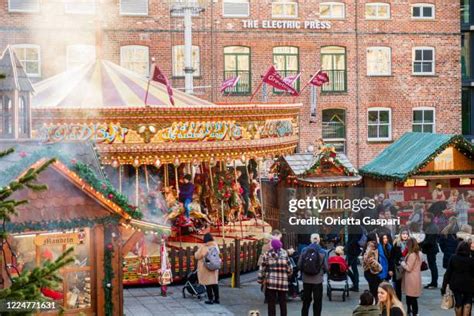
x: 196, y: 212
x: 175, y: 208
x: 255, y: 206
x: 236, y: 204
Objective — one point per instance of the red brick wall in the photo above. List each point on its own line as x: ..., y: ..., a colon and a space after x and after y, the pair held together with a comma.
x: 401, y: 91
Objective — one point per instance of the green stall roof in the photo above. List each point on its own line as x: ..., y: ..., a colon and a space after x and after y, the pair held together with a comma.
x: 410, y: 153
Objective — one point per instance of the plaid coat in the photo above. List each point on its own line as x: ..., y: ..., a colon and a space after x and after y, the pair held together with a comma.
x: 275, y: 270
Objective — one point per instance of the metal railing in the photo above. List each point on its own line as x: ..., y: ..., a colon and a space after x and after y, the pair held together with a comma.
x: 334, y: 130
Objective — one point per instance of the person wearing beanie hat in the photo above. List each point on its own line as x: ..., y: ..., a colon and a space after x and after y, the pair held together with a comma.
x: 313, y: 256
x: 186, y: 191
x: 274, y: 273
x: 205, y: 276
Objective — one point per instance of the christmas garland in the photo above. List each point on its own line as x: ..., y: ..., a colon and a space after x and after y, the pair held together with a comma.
x: 108, y: 275
x: 223, y: 185
x: 104, y: 187
x: 61, y: 224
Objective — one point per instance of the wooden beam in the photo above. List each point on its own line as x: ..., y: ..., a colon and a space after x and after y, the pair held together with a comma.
x: 130, y: 243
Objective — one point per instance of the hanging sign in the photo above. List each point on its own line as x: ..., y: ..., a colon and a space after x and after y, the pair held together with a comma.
x: 286, y: 24
x: 57, y: 239
x: 201, y: 131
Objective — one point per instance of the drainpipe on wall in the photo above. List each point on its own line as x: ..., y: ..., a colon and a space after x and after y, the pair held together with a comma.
x: 357, y: 82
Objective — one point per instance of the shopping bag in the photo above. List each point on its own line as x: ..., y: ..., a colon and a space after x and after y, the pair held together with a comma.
x: 447, y: 301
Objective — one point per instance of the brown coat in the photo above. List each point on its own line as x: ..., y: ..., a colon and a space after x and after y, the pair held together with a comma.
x: 411, y: 280
x: 205, y: 276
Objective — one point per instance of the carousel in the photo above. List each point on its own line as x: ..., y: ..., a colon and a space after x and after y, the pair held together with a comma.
x: 193, y: 166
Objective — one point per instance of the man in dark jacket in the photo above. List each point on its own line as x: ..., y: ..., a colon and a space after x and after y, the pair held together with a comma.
x: 430, y: 247
x: 353, y: 250
x: 313, y: 284
x: 243, y: 180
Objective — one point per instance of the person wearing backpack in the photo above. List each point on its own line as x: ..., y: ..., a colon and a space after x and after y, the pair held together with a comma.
x: 209, y: 263
x: 274, y: 273
x: 312, y: 264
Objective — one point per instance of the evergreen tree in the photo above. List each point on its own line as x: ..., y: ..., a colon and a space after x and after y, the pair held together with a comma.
x: 27, y: 285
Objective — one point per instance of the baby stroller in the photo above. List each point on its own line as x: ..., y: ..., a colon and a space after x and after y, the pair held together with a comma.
x: 336, y: 274
x: 192, y: 286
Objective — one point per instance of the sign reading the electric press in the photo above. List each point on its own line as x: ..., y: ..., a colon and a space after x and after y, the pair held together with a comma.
x: 283, y: 24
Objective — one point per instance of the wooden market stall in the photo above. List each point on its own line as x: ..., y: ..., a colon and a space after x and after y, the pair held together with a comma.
x: 408, y: 171
x: 70, y: 213
x: 146, y: 149
x: 324, y: 174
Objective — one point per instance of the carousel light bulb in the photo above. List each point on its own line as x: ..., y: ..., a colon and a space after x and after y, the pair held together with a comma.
x: 136, y: 163
x: 157, y: 163
x: 195, y: 162
x: 176, y: 162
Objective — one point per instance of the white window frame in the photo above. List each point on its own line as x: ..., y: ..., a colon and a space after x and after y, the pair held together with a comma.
x: 91, y: 12
x: 390, y: 64
x: 331, y: 4
x: 236, y: 15
x: 425, y: 108
x: 423, y: 5
x: 285, y: 2
x: 377, y: 139
x: 122, y: 48
x: 413, y: 61
x: 24, y: 11
x: 197, y: 72
x: 122, y: 13
x: 377, y: 5
x: 33, y: 46
x: 69, y: 47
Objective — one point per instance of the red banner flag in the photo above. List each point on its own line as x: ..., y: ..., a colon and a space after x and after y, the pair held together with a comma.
x: 291, y: 79
x: 160, y: 77
x: 319, y: 79
x: 229, y: 83
x: 273, y: 78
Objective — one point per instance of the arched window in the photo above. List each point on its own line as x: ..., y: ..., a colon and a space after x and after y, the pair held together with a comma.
x: 7, y: 117
x: 237, y: 63
x: 334, y: 128
x: 286, y: 61
x: 333, y: 62
x: 23, y: 119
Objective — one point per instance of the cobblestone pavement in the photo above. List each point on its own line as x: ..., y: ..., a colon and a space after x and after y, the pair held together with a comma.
x: 239, y: 301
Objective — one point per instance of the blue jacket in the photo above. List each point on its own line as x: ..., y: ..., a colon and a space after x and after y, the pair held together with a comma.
x: 384, y: 261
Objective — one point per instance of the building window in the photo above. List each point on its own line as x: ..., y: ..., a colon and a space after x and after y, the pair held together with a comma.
x: 379, y: 124
x: 377, y: 11
x: 79, y: 6
x: 379, y: 61
x: 465, y: 12
x: 423, y: 61
x: 286, y: 61
x: 466, y: 55
x: 333, y: 62
x: 6, y: 117
x: 133, y: 7
x: 237, y: 63
x: 135, y: 58
x: 178, y: 61
x: 332, y: 10
x: 30, y: 58
x: 235, y: 8
x: 78, y: 55
x: 467, y: 112
x: 23, y: 118
x: 23, y: 5
x: 284, y: 9
x: 334, y: 128
x: 423, y: 11
x: 424, y: 120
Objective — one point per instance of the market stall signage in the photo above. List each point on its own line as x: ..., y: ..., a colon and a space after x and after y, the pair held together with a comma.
x: 200, y: 131
x: 99, y: 133
x: 284, y: 24
x: 57, y: 239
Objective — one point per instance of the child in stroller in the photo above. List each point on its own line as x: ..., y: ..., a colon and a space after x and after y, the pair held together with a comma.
x: 192, y: 286
x: 337, y: 272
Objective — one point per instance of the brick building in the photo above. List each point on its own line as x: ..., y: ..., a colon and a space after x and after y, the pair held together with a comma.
x: 394, y: 66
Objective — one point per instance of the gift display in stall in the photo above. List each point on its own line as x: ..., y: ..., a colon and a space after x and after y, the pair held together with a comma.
x: 422, y: 172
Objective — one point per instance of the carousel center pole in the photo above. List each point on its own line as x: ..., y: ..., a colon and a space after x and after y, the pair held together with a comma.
x: 222, y: 209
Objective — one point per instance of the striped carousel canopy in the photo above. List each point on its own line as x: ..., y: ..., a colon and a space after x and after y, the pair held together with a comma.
x: 103, y: 84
